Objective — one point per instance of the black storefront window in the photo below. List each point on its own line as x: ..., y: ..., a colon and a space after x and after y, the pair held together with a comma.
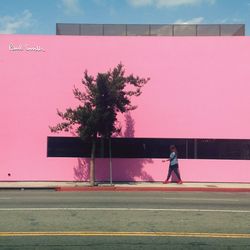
x: 151, y: 148
x: 223, y: 149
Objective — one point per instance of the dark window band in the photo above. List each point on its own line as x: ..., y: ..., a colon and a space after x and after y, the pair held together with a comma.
x: 234, y: 149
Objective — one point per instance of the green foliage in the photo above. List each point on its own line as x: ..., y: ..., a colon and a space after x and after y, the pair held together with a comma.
x: 101, y: 100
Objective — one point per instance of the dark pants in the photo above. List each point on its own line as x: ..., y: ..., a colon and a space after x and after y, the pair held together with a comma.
x: 174, y: 168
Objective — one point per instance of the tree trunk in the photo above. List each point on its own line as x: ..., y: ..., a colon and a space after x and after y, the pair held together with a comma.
x: 92, y: 164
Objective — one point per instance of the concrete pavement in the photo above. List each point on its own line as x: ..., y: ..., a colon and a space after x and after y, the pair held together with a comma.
x: 128, y: 186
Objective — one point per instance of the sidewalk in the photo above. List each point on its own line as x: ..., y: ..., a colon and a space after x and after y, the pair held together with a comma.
x: 128, y: 186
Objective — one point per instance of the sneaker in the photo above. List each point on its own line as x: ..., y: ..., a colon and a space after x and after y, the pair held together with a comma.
x: 180, y: 182
x: 166, y: 182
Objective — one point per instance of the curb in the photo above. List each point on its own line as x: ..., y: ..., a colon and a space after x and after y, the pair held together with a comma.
x: 150, y: 189
x: 26, y: 188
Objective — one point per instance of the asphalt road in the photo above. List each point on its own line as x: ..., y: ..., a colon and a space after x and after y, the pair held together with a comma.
x: 124, y: 220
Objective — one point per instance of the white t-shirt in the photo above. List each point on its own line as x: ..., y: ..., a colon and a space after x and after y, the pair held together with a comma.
x: 173, y: 159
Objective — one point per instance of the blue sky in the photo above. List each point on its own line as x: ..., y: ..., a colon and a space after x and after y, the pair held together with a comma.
x: 41, y: 16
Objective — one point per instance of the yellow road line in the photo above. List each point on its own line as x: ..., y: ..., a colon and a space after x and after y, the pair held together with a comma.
x: 128, y: 234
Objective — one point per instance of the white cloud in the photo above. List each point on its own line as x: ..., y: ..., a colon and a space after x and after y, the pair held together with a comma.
x: 12, y: 24
x: 195, y: 20
x: 237, y: 20
x: 138, y: 3
x: 71, y: 7
x: 233, y: 20
x: 100, y: 2
x: 107, y: 6
x: 167, y: 3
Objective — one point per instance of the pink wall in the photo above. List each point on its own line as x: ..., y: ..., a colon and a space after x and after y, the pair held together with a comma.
x: 199, y: 88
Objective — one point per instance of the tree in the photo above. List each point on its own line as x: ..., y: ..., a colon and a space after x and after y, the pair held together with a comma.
x: 101, y: 100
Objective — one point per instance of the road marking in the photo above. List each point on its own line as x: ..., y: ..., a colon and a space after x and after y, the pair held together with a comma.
x: 128, y: 234
x: 123, y: 209
x: 200, y: 199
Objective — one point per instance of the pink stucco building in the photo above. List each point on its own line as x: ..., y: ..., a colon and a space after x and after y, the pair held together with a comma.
x: 198, y: 92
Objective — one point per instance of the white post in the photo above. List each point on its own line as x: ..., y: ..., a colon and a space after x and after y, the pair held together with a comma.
x: 110, y: 163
